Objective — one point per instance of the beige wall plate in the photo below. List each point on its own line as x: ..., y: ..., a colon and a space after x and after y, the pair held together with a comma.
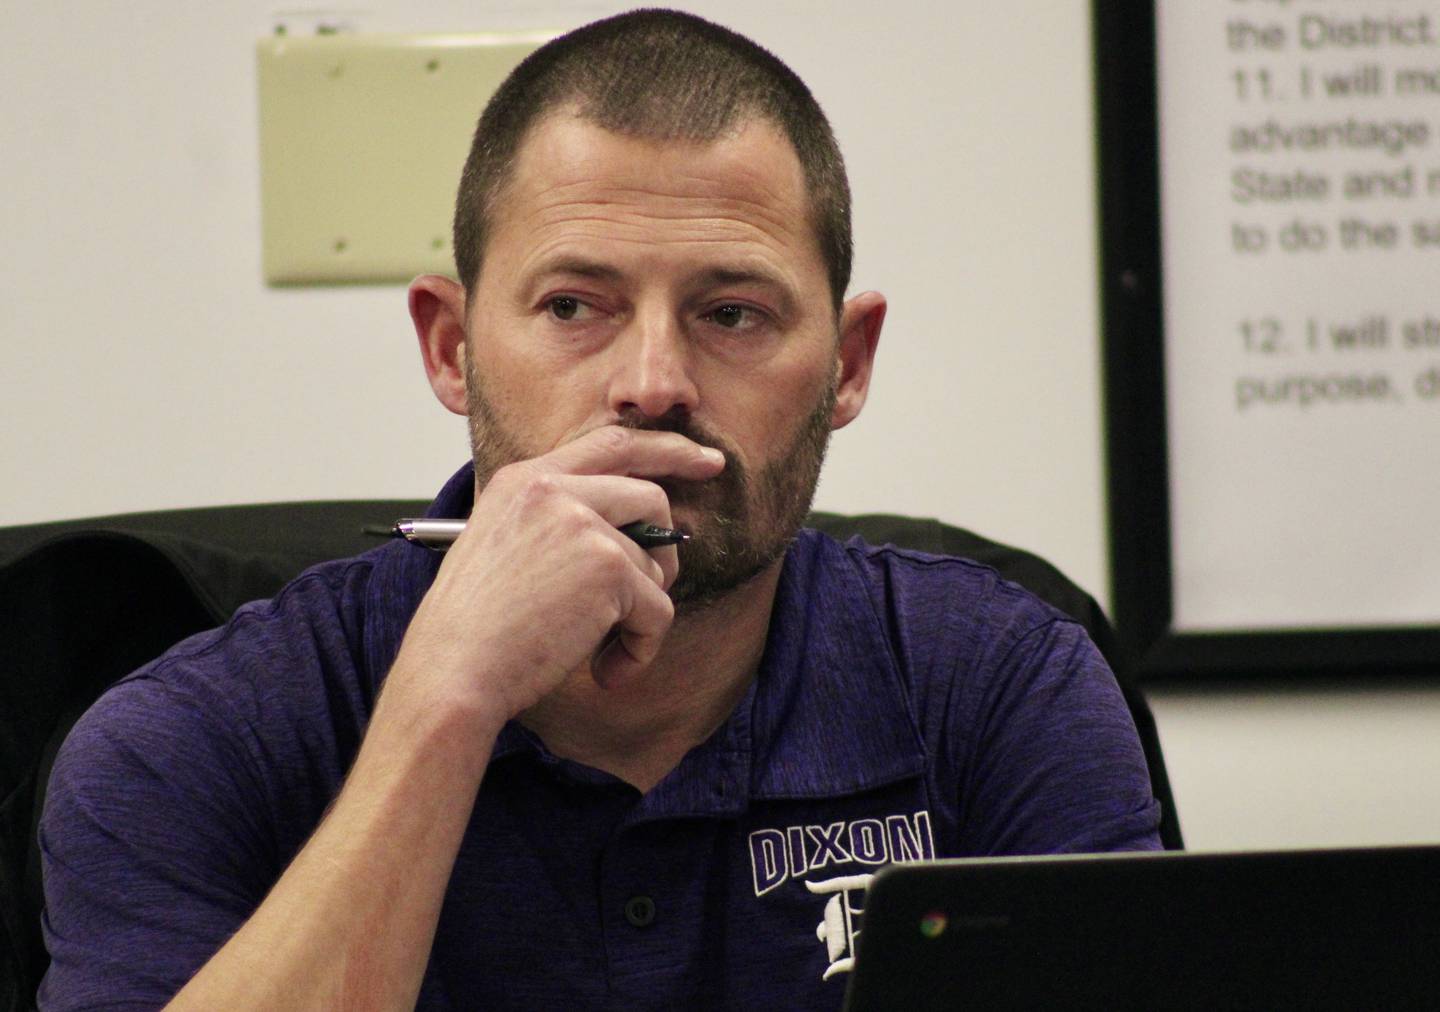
x: 362, y: 139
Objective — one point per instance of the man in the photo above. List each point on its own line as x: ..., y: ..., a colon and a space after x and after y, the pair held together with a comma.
x: 556, y: 768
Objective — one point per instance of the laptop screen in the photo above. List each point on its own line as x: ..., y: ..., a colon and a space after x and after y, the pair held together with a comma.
x: 1341, y: 929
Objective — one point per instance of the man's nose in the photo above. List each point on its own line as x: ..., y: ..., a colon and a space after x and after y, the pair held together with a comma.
x: 654, y: 368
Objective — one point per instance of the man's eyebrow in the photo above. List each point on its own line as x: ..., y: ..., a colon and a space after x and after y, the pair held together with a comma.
x: 571, y: 264
x: 720, y: 276
x: 577, y: 265
x: 738, y: 276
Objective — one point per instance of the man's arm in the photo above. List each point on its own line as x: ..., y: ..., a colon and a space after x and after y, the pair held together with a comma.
x: 524, y: 598
x: 1055, y: 765
x: 349, y: 924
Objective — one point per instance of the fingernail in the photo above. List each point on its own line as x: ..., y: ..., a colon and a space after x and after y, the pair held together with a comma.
x: 713, y: 455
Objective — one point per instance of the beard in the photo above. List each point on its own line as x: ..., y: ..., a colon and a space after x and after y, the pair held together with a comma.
x: 740, y: 523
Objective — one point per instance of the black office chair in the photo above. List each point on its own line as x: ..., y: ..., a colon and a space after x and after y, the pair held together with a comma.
x: 84, y: 602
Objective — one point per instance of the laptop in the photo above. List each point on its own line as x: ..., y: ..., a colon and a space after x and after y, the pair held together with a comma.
x: 1321, y: 929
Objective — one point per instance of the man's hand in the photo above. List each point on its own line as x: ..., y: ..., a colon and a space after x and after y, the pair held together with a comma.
x: 525, y: 596
x: 541, y: 576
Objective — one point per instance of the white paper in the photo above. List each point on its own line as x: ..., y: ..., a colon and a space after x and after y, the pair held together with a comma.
x: 1300, y: 168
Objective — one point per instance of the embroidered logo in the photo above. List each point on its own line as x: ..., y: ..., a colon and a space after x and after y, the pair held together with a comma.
x: 776, y: 855
x: 838, y: 930
x: 797, y: 852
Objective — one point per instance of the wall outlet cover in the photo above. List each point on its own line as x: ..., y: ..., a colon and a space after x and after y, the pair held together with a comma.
x: 362, y: 139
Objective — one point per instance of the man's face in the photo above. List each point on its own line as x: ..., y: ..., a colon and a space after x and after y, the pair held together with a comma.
x: 669, y: 285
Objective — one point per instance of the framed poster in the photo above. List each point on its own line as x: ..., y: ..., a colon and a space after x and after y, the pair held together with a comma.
x: 1270, y: 277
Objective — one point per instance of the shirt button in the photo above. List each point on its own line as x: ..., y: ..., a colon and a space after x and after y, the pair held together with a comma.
x: 640, y: 910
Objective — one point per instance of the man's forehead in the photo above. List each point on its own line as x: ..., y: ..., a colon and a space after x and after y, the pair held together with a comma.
x: 575, y: 182
x: 572, y: 157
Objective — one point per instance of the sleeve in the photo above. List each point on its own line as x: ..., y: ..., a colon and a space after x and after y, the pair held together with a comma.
x: 152, y: 847
x: 1055, y: 764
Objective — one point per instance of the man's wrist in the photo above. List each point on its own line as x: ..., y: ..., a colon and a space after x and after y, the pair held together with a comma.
x: 463, y: 730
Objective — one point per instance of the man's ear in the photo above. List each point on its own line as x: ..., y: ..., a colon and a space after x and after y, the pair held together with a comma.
x: 437, y: 308
x: 860, y: 320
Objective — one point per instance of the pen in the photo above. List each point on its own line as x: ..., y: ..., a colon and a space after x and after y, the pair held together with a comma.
x: 440, y: 534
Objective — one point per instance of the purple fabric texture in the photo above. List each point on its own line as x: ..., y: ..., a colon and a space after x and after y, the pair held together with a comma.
x: 908, y: 706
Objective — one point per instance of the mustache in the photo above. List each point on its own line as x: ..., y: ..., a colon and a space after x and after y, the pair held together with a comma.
x: 678, y: 420
x: 717, y: 496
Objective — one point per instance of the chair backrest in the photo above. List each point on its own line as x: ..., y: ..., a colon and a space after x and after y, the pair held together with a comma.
x: 84, y: 602
x: 1045, y: 582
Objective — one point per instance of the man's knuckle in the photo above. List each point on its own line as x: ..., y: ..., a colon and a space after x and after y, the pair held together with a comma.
x: 612, y: 560
x: 575, y: 520
x: 510, y: 476
x: 615, y: 439
x: 531, y: 483
x: 655, y: 498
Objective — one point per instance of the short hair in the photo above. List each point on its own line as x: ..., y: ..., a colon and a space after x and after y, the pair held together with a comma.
x: 662, y: 75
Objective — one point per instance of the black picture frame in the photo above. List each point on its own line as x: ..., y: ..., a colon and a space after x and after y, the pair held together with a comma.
x: 1132, y: 286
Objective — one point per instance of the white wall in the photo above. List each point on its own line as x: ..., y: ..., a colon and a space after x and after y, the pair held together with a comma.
x: 145, y: 365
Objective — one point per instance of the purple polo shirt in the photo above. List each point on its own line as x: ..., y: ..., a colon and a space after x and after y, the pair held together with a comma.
x: 907, y: 706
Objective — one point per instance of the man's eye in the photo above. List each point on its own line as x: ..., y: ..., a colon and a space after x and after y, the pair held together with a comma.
x: 732, y: 317
x: 565, y: 307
